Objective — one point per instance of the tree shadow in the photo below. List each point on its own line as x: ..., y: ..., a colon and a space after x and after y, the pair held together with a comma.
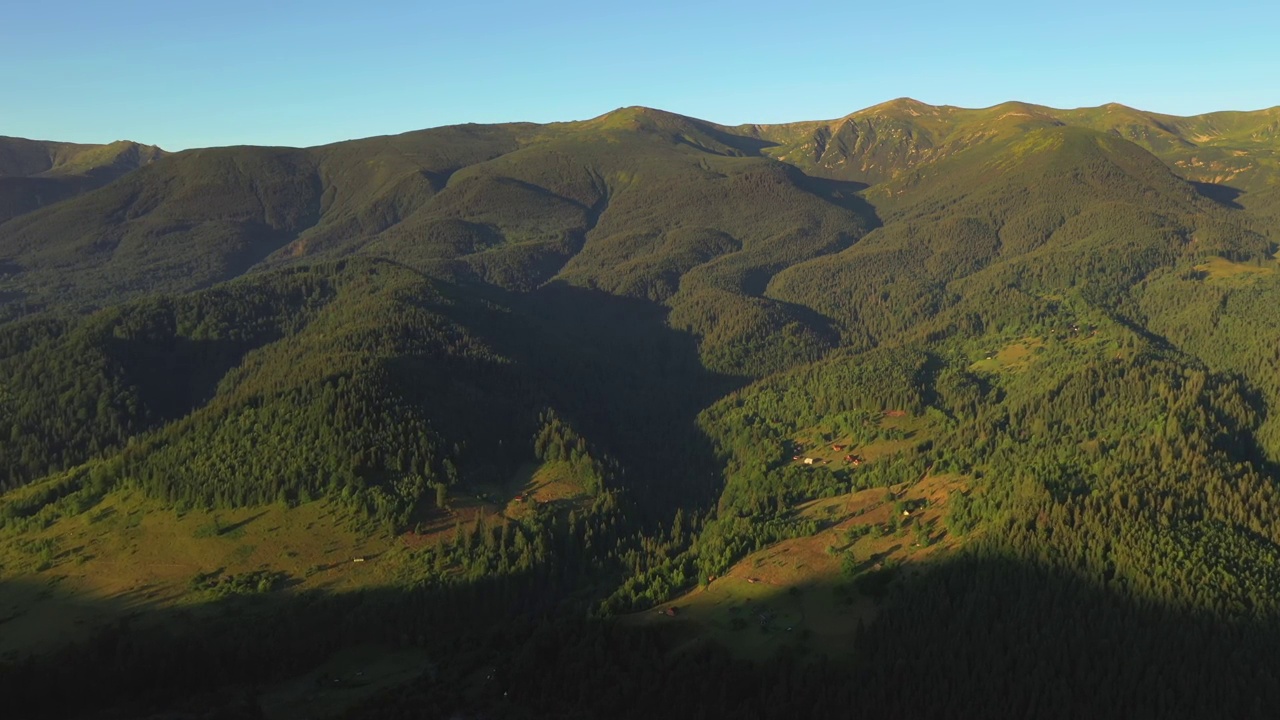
x: 226, y: 529
x: 175, y: 375
x: 1221, y: 194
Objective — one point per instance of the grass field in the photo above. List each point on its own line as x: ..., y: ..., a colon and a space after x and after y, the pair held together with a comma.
x: 798, y: 593
x: 1036, y: 352
x: 1014, y: 357
x: 71, y: 571
x: 128, y: 554
x: 819, y: 442
x: 1223, y: 270
x: 551, y: 483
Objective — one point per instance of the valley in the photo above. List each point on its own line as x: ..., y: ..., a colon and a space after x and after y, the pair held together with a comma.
x: 524, y: 420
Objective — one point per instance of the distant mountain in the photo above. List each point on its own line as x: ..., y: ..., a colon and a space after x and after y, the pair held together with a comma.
x: 35, y: 173
x: 1235, y: 148
x: 37, y: 158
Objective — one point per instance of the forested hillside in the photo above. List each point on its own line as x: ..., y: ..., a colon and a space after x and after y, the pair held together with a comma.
x: 925, y: 411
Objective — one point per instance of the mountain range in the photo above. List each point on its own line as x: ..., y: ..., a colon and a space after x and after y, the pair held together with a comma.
x: 971, y: 405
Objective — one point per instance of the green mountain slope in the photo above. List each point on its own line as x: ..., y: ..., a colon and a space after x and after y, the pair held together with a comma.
x: 1054, y: 210
x: 871, y: 145
x: 643, y: 203
x: 900, y: 397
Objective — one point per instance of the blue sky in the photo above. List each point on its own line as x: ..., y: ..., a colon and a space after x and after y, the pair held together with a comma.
x: 191, y: 73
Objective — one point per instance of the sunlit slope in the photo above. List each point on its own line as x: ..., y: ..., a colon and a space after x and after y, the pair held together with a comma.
x: 1050, y: 210
x: 35, y: 173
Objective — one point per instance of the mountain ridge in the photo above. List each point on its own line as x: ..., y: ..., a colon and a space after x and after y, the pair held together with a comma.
x: 493, y: 394
x: 36, y: 173
x: 23, y: 157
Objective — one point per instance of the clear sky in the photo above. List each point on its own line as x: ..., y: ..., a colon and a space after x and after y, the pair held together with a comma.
x: 192, y: 73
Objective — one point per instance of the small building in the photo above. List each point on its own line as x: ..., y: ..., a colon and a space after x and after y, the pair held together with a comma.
x: 671, y: 611
x: 809, y: 461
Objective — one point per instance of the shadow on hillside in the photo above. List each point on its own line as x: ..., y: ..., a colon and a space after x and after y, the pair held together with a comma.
x: 175, y: 375
x: 1221, y: 194
x: 198, y: 658
x: 624, y: 378
x: 844, y: 193
x: 21, y: 195
x: 41, y: 614
x: 1002, y: 638
x: 742, y: 143
x: 964, y: 637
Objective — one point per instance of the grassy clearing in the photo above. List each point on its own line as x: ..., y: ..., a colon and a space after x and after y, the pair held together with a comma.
x: 498, y: 502
x: 129, y: 554
x: 903, y: 432
x: 1014, y: 357
x: 551, y: 483
x: 811, y: 593
x: 548, y: 483
x: 1223, y: 270
x: 1018, y: 356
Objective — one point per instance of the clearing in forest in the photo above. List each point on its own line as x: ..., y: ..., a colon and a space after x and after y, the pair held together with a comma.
x: 1014, y: 357
x: 811, y: 593
x: 129, y: 553
x: 553, y: 483
x: 899, y: 431
x: 1221, y: 269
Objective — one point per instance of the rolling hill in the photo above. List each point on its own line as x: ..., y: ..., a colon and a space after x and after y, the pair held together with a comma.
x: 903, y: 397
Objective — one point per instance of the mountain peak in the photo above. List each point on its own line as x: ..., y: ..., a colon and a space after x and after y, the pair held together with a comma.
x: 638, y: 115
x: 902, y: 105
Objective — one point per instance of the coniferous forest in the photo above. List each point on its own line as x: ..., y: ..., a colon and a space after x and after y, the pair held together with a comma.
x: 921, y: 412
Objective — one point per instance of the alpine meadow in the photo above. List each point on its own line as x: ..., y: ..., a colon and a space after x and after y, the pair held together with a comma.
x: 921, y: 412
